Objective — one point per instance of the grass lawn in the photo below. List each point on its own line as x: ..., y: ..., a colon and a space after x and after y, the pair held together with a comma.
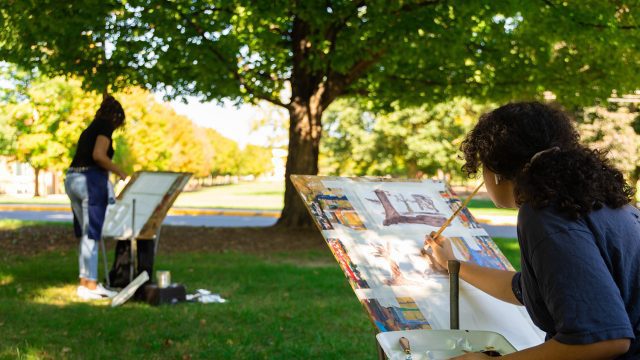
x: 282, y: 305
x: 57, y: 199
x: 254, y: 195
x: 485, y: 207
x: 13, y: 224
x: 277, y: 309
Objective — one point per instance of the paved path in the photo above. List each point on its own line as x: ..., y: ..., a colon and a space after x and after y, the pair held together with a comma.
x: 184, y: 220
x: 210, y: 218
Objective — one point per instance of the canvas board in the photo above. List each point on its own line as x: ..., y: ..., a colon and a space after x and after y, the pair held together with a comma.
x: 154, y: 193
x: 375, y: 228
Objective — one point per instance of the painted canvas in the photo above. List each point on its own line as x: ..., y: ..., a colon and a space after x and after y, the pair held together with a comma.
x: 154, y: 193
x: 375, y: 228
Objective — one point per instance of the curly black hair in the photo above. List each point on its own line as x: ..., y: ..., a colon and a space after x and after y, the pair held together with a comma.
x: 110, y: 112
x: 568, y: 175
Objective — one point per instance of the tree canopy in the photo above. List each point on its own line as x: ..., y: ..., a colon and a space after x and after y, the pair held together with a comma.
x: 43, y: 118
x: 411, y: 51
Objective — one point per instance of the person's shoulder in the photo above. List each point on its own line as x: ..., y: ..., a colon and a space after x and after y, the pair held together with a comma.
x: 631, y: 210
x: 544, y: 223
x: 616, y: 219
x: 102, y: 128
x: 529, y: 216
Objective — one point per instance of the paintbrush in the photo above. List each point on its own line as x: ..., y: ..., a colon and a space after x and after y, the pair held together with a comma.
x: 455, y: 213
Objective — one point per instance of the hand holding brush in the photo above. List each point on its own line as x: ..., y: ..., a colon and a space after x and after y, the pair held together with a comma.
x: 434, y: 237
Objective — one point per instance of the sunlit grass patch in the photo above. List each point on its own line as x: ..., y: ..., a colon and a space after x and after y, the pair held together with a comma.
x: 14, y: 224
x: 253, y: 195
x: 62, y: 296
x: 5, y: 279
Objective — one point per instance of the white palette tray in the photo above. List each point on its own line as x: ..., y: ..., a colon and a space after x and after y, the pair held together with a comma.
x: 441, y: 344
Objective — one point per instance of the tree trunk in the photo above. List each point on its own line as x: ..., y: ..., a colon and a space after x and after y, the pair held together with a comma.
x: 36, y: 189
x: 305, y: 130
x: 412, y: 168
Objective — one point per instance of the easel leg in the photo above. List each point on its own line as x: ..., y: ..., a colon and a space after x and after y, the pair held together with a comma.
x: 381, y: 355
x: 104, y: 261
x: 134, y: 246
x: 157, y: 240
x: 134, y: 258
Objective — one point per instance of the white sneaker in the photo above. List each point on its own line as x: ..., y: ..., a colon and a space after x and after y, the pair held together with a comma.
x: 105, y: 292
x: 96, y: 294
x: 85, y: 293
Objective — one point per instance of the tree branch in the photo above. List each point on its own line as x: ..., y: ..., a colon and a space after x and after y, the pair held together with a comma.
x: 336, y: 28
x: 336, y: 83
x: 230, y: 67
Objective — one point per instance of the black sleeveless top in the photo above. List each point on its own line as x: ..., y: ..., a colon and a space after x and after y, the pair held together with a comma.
x: 87, y: 142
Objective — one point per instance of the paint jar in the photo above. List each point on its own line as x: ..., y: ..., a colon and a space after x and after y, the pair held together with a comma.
x: 163, y: 278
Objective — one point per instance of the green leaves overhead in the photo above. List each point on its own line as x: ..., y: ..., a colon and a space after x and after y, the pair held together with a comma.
x: 416, y: 51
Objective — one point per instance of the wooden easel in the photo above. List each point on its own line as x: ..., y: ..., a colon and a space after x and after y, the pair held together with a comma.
x: 152, y: 227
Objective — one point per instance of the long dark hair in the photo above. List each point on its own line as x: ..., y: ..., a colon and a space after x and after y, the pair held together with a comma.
x: 110, y: 112
x: 564, y: 173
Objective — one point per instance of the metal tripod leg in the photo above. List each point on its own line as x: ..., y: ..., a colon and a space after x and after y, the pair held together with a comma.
x: 134, y: 245
x: 156, y: 240
x: 104, y: 261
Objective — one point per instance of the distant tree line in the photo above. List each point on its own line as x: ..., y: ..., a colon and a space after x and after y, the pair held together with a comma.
x: 42, y: 118
x: 414, y: 141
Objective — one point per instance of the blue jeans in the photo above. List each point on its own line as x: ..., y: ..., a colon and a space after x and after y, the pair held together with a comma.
x: 75, y: 184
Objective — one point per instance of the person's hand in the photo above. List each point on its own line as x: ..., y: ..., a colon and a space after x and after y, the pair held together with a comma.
x: 122, y: 175
x: 472, y: 356
x: 441, y: 249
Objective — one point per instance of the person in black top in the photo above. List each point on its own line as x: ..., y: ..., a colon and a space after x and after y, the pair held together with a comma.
x: 87, y: 185
x: 579, y: 236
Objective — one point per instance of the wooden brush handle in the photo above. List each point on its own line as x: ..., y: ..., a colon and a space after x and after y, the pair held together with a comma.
x: 404, y: 344
x: 458, y: 210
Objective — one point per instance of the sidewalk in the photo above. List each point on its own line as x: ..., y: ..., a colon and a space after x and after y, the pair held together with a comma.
x: 189, y: 211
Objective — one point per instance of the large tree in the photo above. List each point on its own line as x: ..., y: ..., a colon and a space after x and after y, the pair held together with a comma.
x: 410, y: 50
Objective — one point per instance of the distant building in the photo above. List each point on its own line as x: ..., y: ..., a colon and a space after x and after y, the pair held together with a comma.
x: 18, y: 179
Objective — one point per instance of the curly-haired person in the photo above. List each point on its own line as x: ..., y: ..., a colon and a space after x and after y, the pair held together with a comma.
x: 87, y: 185
x: 579, y: 236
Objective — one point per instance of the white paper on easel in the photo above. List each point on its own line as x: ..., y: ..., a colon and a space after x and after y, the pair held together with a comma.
x: 148, y: 190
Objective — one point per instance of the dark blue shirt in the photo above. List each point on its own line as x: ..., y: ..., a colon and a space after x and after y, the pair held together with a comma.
x: 580, y: 279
